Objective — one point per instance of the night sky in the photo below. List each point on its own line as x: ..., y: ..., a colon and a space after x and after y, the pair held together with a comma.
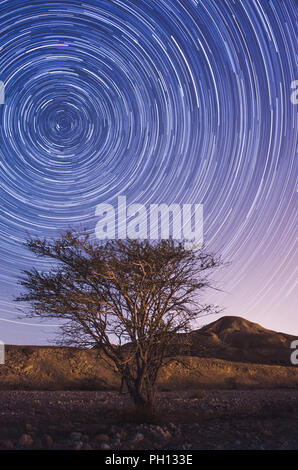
x: 173, y: 101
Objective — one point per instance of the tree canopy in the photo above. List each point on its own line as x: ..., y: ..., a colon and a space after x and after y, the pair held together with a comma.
x: 127, y: 297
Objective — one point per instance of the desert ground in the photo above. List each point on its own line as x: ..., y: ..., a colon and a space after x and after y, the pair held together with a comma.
x: 210, y: 419
x: 229, y: 385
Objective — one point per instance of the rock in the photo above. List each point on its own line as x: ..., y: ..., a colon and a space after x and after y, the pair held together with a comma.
x: 138, y: 437
x: 167, y: 435
x: 105, y: 446
x: 29, y: 427
x: 78, y: 445
x: 48, y: 441
x: 25, y: 441
x: 6, y: 444
x: 160, y: 433
x: 102, y: 438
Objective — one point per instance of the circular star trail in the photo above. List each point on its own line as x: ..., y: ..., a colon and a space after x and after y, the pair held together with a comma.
x: 161, y: 101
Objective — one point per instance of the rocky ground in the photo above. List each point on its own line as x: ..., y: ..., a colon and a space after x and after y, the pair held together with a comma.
x: 215, y: 419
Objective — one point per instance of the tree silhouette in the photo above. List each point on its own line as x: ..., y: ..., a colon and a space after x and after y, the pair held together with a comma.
x: 127, y: 297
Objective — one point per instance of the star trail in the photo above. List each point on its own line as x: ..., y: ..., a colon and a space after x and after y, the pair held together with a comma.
x: 173, y: 101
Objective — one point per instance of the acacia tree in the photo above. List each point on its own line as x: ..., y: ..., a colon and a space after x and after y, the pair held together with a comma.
x: 127, y: 297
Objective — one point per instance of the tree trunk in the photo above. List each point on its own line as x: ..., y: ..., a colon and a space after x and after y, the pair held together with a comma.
x: 144, y: 397
x: 142, y: 390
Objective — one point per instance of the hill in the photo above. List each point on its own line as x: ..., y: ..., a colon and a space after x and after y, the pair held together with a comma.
x: 237, y: 339
x: 228, y: 353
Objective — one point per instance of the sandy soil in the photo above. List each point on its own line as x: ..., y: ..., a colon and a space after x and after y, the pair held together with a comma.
x: 214, y: 419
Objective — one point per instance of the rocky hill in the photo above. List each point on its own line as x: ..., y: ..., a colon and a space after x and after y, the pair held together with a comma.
x: 236, y: 339
x: 228, y: 353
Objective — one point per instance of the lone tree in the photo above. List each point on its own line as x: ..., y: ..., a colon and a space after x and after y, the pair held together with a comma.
x: 127, y: 297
